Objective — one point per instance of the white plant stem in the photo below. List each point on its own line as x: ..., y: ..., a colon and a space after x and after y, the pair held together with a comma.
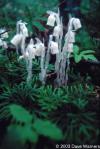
x: 42, y: 64
x: 45, y: 58
x: 29, y: 70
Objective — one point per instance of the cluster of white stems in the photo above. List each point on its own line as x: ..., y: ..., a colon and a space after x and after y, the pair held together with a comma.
x: 56, y: 47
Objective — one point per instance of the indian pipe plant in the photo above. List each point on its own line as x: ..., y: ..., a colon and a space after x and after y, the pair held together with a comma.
x: 44, y: 101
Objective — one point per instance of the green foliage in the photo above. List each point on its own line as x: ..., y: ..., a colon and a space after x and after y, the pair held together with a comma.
x: 85, y: 6
x: 18, y: 113
x: 82, y: 126
x: 11, y: 70
x: 84, y: 40
x: 89, y: 10
x: 86, y: 55
x: 78, y: 124
x: 46, y: 128
x: 21, y: 94
x: 49, y: 99
x: 30, y: 110
x: 22, y: 134
x: 31, y: 11
x: 77, y: 95
x: 26, y: 127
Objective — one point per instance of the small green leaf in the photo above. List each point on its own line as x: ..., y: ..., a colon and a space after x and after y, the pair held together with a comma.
x: 76, y: 49
x: 89, y: 57
x: 46, y: 128
x: 22, y: 133
x: 87, y: 52
x: 19, y: 113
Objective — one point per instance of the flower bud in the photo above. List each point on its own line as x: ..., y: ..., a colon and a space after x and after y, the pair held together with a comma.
x: 24, y: 30
x: 54, y: 47
x: 76, y: 23
x: 16, y: 40
x: 39, y: 49
x: 4, y: 35
x: 51, y: 20
x: 70, y: 37
x: 31, y: 50
x: 57, y: 30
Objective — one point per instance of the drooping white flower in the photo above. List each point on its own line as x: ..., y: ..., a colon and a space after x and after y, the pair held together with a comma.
x: 5, y: 35
x: 51, y: 20
x: 21, y: 28
x: 24, y: 29
x: 54, y: 47
x: 31, y: 50
x: 76, y: 23
x: 57, y: 31
x: 39, y: 47
x: 19, y: 39
x: 16, y: 40
x: 73, y: 25
x: 70, y: 37
x: 53, y: 17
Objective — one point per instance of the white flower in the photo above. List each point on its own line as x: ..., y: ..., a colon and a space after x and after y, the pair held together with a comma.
x: 39, y: 49
x: 4, y: 35
x: 31, y: 50
x: 16, y: 40
x: 57, y: 31
x: 51, y: 20
x: 76, y: 23
x: 70, y: 37
x: 24, y: 29
x: 54, y: 47
x: 21, y: 28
